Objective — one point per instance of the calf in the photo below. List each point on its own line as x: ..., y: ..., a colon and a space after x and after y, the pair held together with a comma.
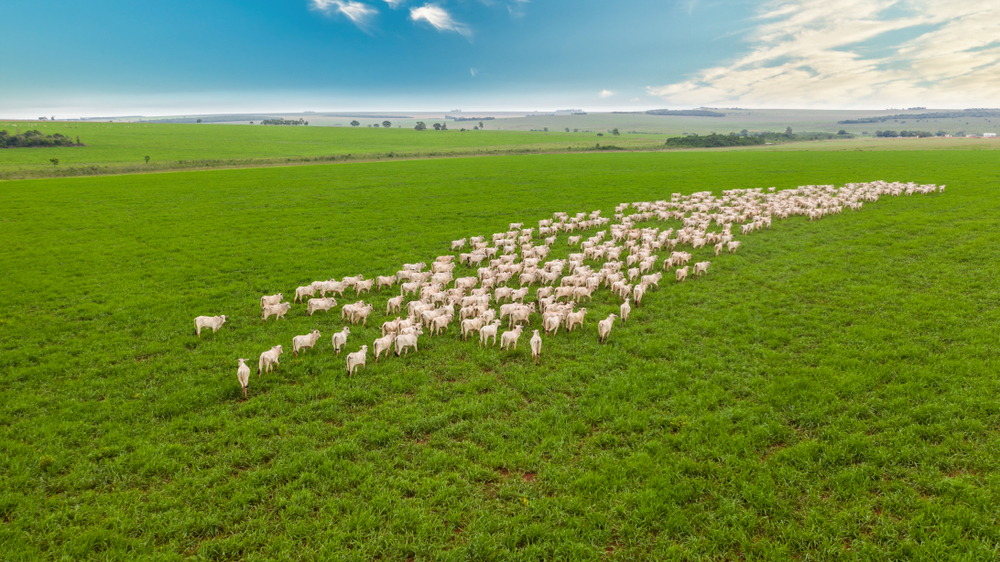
x: 301, y: 342
x: 213, y: 322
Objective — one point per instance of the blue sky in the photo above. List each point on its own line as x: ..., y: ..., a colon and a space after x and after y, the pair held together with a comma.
x: 111, y: 57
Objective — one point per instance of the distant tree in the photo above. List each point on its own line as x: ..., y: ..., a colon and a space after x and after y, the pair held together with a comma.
x: 475, y: 128
x: 387, y: 124
x: 437, y: 126
x: 600, y: 134
x: 421, y: 126
x: 788, y: 131
x: 55, y: 161
x: 305, y: 122
x: 147, y: 159
x: 576, y: 130
x: 615, y: 132
x: 842, y: 132
x: 744, y: 133
x: 199, y: 120
x: 53, y: 118
x: 546, y: 129
x: 251, y: 122
x: 375, y: 125
x: 567, y: 129
x: 480, y: 125
x: 355, y: 123
x: 78, y: 139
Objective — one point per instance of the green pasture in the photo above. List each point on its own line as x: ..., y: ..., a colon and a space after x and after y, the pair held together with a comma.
x: 124, y: 146
x: 827, y: 393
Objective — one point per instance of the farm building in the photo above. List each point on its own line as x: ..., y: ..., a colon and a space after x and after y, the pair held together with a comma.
x: 989, y: 135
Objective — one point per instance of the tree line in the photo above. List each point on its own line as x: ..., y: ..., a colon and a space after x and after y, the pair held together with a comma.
x: 919, y: 134
x: 714, y: 140
x: 35, y: 139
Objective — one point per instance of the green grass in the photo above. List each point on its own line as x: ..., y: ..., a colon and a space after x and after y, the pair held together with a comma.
x: 122, y: 147
x: 828, y: 393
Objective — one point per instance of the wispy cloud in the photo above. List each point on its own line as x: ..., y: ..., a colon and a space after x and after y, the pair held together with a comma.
x: 473, y: 71
x: 516, y: 8
x: 842, y: 53
x: 440, y: 19
x: 606, y: 93
x: 357, y: 12
x: 394, y: 3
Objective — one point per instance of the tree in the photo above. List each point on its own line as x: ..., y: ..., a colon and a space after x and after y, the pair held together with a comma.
x: 444, y: 126
x: 576, y: 130
x: 480, y: 125
x: 375, y: 125
x: 355, y: 123
x: 147, y: 159
x: 744, y: 133
x: 567, y: 129
x: 437, y: 126
x: 842, y: 132
x: 420, y: 126
x: 387, y: 124
x: 615, y: 132
x: 788, y: 131
x: 199, y: 120
x: 55, y: 161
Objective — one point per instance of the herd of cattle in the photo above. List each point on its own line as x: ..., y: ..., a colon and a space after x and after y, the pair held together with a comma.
x: 627, y: 256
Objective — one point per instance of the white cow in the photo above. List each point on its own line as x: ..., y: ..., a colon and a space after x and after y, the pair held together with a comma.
x: 490, y: 330
x: 510, y: 337
x: 324, y: 304
x: 306, y: 291
x: 405, y: 341
x: 536, y: 347
x: 271, y: 299
x: 384, y: 344
x: 269, y: 358
x: 604, y: 327
x: 243, y: 375
x: 339, y: 339
x: 213, y: 322
x: 308, y: 340
x: 356, y: 359
x: 278, y: 310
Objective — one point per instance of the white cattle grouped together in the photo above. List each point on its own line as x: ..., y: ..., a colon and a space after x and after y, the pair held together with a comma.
x: 618, y: 257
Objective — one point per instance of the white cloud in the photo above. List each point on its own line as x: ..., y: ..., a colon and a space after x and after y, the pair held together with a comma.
x: 812, y: 53
x: 357, y: 12
x: 440, y: 19
x: 635, y: 99
x: 606, y: 93
x: 473, y: 71
x: 394, y: 3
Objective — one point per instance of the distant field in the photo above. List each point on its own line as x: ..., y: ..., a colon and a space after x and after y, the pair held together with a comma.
x: 829, y: 392
x: 754, y: 120
x: 124, y: 145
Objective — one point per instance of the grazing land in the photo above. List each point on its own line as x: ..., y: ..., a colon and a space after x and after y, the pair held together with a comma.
x: 122, y: 147
x: 828, y: 392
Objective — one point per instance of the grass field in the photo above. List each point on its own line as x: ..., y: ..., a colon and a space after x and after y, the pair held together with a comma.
x: 828, y: 393
x: 122, y: 147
